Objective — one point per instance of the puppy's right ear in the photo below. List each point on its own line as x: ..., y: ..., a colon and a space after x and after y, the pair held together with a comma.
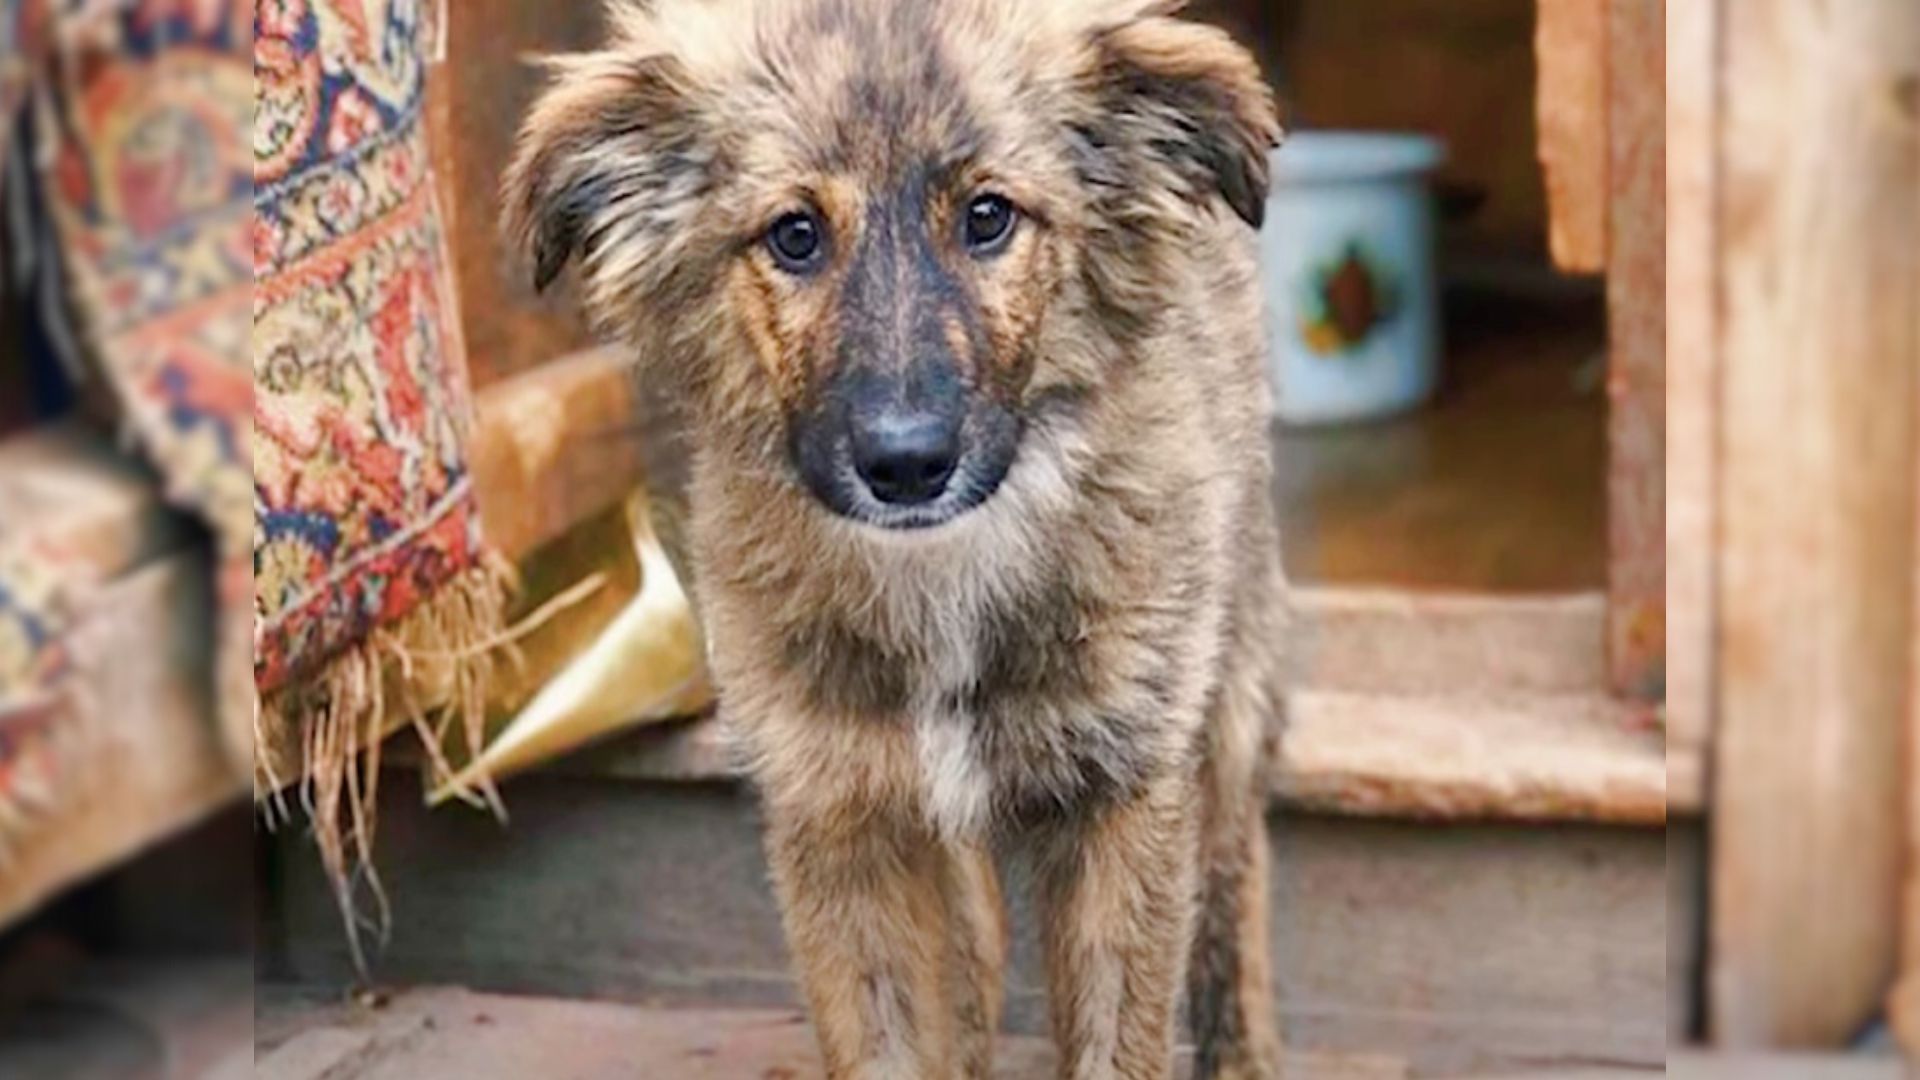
x: 600, y: 157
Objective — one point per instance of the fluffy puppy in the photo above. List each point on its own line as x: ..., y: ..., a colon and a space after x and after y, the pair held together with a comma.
x: 957, y: 303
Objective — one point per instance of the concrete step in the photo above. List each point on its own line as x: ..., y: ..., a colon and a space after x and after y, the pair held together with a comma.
x: 1459, y: 949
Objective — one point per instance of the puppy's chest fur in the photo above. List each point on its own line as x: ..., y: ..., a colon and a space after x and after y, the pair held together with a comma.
x: 1027, y: 702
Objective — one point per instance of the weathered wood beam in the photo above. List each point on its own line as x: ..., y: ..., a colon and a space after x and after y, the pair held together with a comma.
x: 1571, y: 113
x: 1692, y: 351
x: 1637, y: 360
x: 553, y: 446
x: 1903, y: 1009
x: 148, y: 756
x: 70, y: 490
x: 1819, y: 240
x: 1701, y: 1066
x: 1532, y: 758
x: 1402, y: 641
x: 1527, y: 758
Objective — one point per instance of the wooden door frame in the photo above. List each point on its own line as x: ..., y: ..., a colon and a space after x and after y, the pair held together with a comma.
x: 1816, y: 228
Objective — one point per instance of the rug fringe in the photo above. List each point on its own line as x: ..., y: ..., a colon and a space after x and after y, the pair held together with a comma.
x: 431, y: 670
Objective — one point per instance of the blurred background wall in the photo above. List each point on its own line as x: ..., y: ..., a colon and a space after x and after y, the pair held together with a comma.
x: 1462, y: 70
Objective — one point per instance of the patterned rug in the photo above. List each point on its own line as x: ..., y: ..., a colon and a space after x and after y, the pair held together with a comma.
x: 137, y: 202
x: 258, y: 274
x: 365, y: 505
x: 148, y: 186
x: 367, y: 556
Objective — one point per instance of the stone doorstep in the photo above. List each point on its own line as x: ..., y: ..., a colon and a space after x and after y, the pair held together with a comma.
x: 454, y: 1032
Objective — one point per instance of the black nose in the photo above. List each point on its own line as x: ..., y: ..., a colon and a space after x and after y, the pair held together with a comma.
x: 905, y: 456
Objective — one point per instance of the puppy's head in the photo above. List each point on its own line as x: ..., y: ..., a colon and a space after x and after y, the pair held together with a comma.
x: 878, y: 239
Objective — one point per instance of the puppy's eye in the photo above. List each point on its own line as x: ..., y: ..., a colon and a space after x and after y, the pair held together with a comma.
x: 990, y: 221
x: 796, y: 242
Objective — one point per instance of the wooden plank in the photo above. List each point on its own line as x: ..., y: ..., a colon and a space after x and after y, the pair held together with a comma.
x: 435, y: 1031
x: 1516, y: 758
x: 554, y: 446
x: 1531, y: 758
x: 153, y: 761
x: 1575, y: 1072
x: 1636, y: 370
x: 1903, y: 1006
x: 1571, y: 113
x: 1692, y: 365
x: 1819, y: 237
x: 1700, y: 1066
x: 1686, y: 779
x: 70, y: 492
x: 1395, y: 641
x: 600, y: 548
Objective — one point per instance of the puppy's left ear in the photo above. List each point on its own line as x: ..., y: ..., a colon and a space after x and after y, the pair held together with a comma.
x: 606, y: 158
x: 1185, y: 99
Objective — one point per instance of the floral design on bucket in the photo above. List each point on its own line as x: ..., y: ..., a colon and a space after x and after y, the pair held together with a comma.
x: 1344, y: 300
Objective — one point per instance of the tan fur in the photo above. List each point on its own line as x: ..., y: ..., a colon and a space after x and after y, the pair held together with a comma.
x: 1081, y: 666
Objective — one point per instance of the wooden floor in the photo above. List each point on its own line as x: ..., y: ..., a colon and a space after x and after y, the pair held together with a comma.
x: 1784, y: 1067
x: 450, y: 1032
x: 191, y: 1020
x: 1497, y: 485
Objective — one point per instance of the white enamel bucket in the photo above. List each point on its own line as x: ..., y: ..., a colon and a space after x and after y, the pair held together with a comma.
x: 1347, y: 261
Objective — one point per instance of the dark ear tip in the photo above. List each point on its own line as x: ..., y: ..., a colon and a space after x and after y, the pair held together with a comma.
x: 1245, y: 190
x: 549, y: 259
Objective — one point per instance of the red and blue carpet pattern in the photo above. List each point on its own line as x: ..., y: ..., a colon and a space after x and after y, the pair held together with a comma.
x: 149, y: 188
x: 361, y: 493
x: 141, y: 186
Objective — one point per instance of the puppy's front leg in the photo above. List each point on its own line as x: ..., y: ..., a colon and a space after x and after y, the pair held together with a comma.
x: 860, y: 895
x: 978, y: 933
x: 1117, y: 892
